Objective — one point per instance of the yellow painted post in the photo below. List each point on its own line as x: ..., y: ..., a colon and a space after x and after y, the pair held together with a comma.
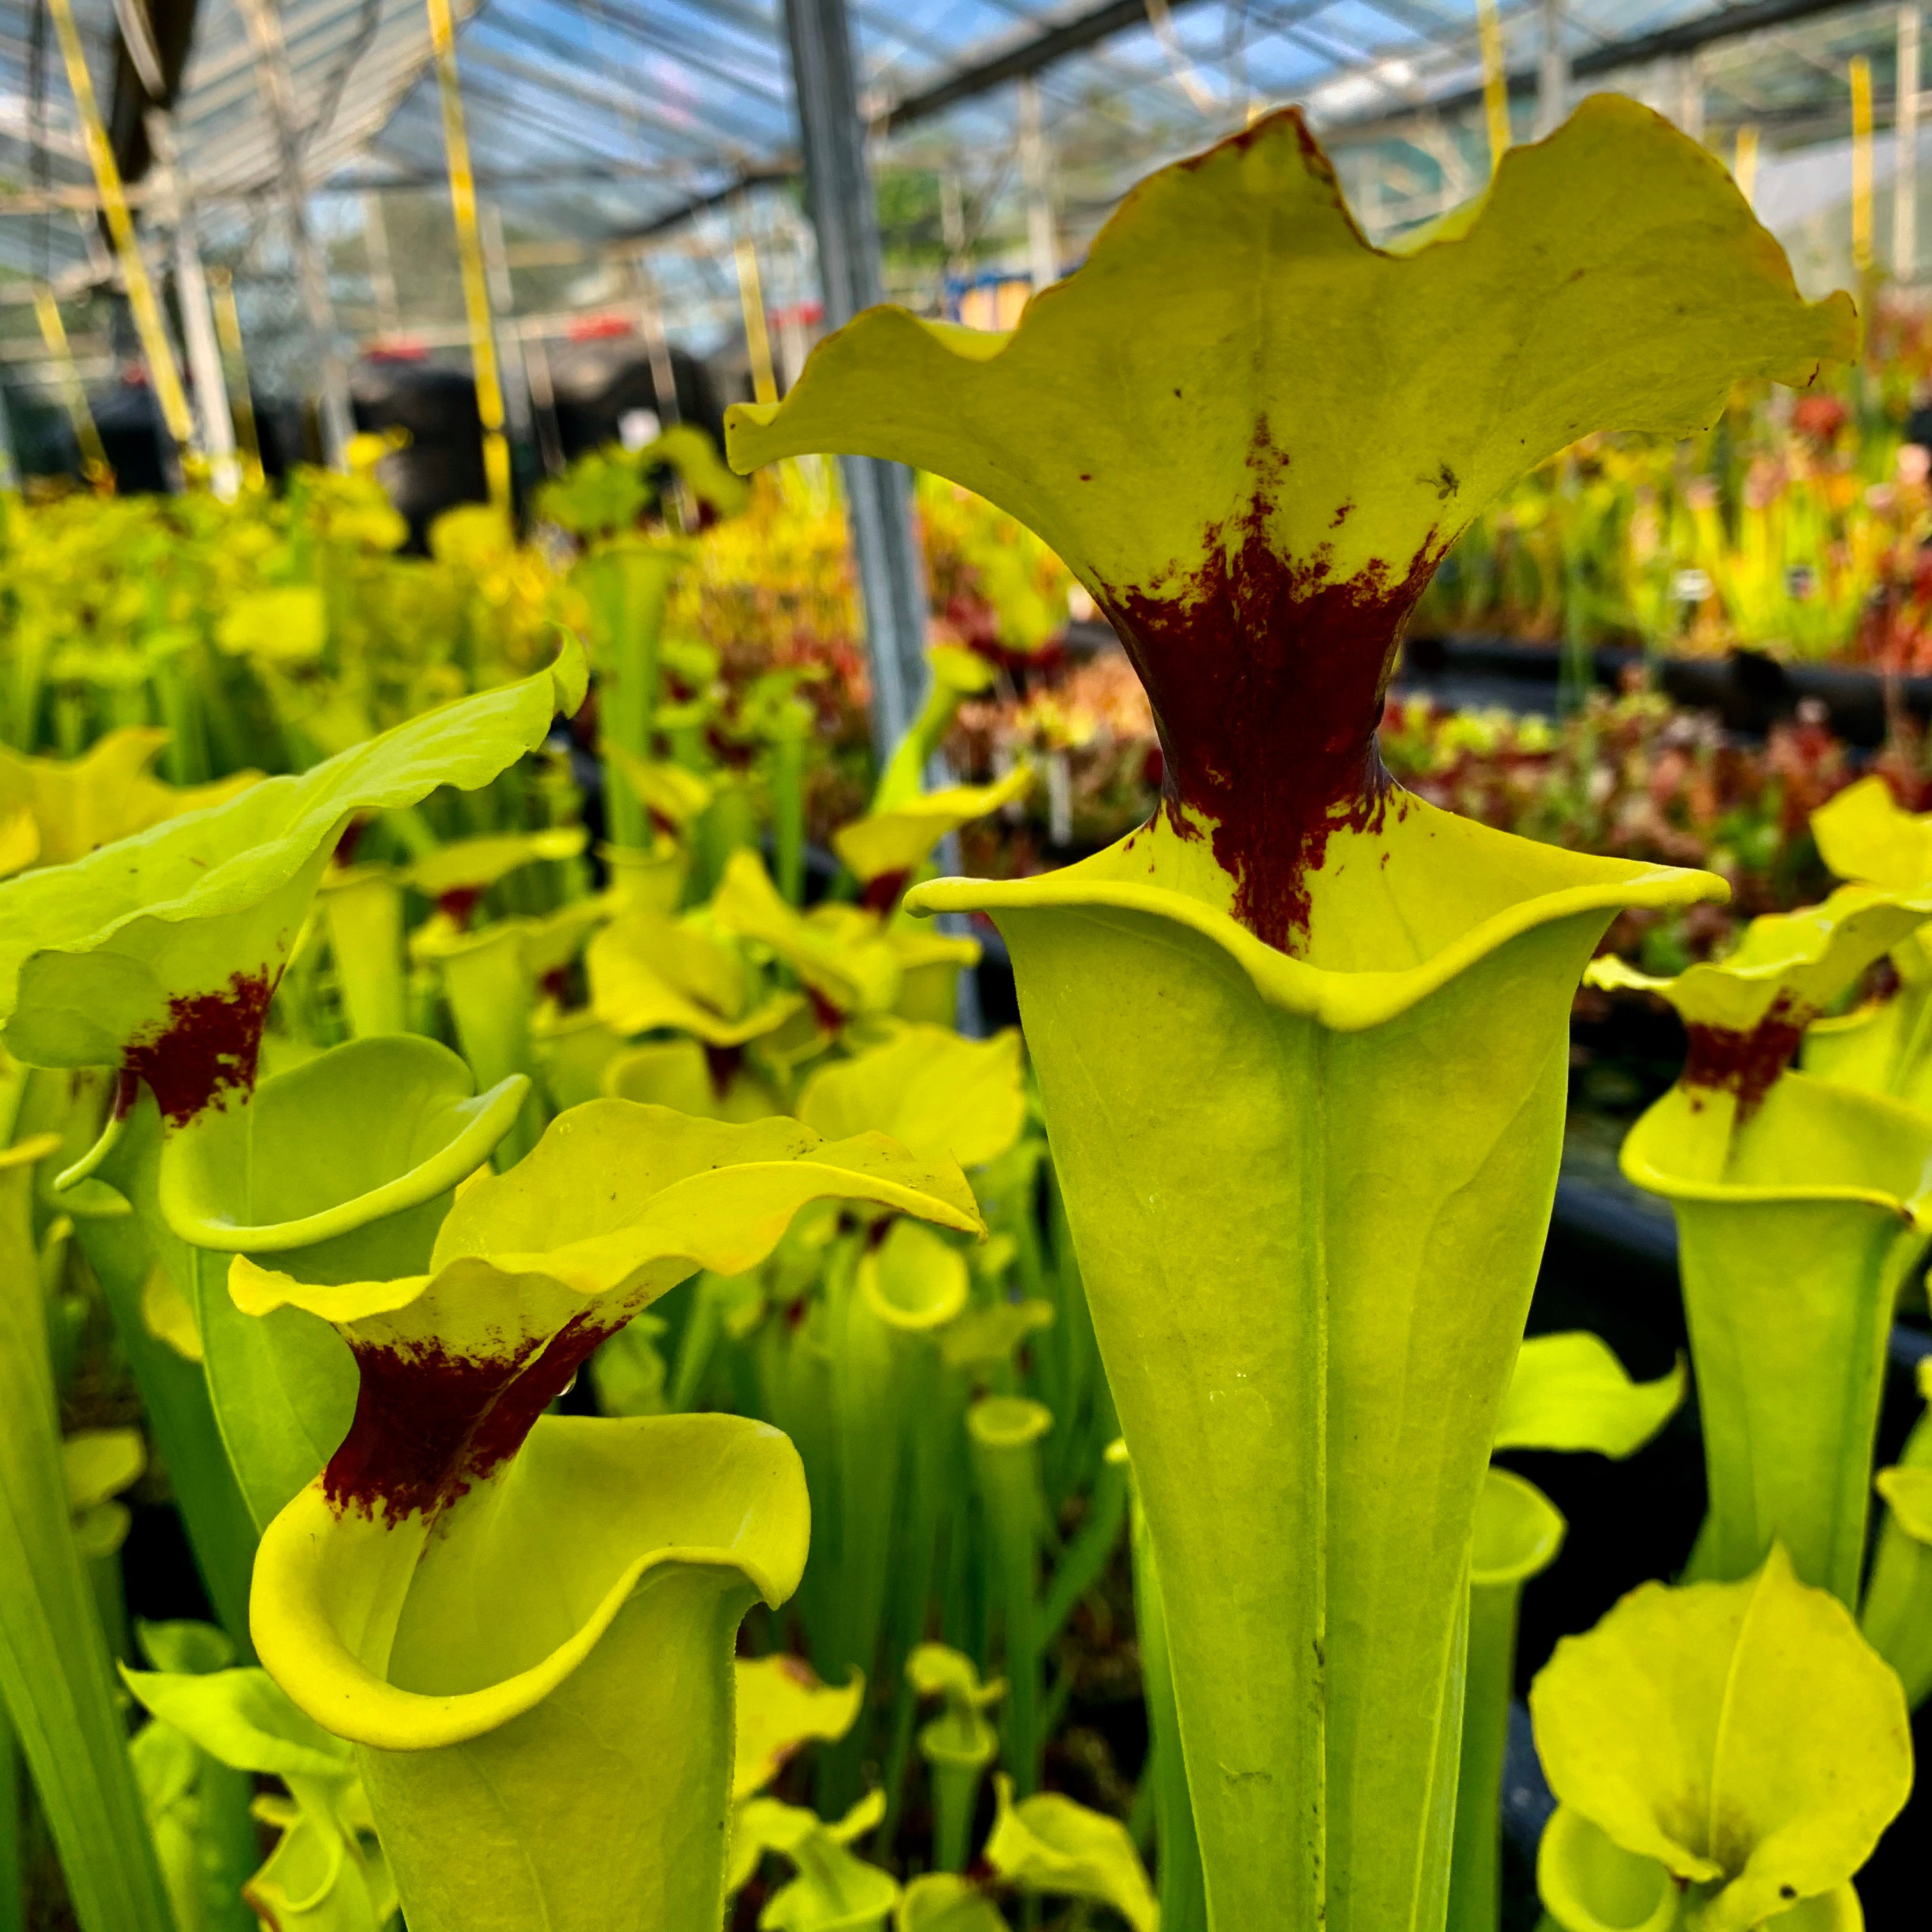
x: 241, y: 402
x: 470, y: 248
x: 1861, y: 163
x: 757, y: 339
x: 1743, y: 161
x: 147, y: 323
x: 93, y: 464
x: 1495, y: 81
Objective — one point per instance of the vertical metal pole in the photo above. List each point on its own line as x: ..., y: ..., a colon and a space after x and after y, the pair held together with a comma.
x: 278, y: 96
x: 502, y: 309
x: 381, y: 268
x: 1495, y: 80
x: 1859, y: 73
x: 1691, y: 98
x: 1905, y: 174
x: 1552, y: 73
x: 470, y: 250
x: 657, y: 346
x: 1744, y: 162
x: 796, y: 277
x: 878, y: 496
x: 1036, y: 171
x: 198, y: 337
x: 953, y: 232
x: 757, y: 337
x: 10, y: 465
x: 148, y: 321
x: 94, y: 467
x: 234, y: 368
x: 543, y: 402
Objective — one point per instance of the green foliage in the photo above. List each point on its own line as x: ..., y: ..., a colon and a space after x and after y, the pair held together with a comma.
x: 468, y: 1096
x: 1741, y: 1737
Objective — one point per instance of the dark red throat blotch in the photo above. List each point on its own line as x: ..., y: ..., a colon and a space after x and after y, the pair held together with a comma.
x: 1747, y: 1064
x: 1266, y: 675
x: 428, y: 1424
x: 208, y: 1046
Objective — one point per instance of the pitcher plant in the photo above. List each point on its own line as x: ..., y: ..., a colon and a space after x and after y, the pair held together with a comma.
x: 1301, y: 1038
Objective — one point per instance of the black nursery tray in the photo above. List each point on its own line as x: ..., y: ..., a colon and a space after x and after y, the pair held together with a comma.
x: 1748, y: 691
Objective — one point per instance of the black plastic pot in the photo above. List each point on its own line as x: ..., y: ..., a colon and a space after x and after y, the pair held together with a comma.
x: 601, y: 379
x: 1748, y: 691
x: 442, y: 464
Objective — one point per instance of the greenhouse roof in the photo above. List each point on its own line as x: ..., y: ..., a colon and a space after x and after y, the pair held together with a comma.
x: 603, y: 127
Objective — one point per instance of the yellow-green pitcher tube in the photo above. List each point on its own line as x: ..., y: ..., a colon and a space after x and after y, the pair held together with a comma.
x: 1301, y: 1041
x: 1792, y: 1259
x: 558, y: 1755
x: 1309, y: 1207
x: 626, y: 582
x: 1184, y: 1896
x: 1519, y: 1532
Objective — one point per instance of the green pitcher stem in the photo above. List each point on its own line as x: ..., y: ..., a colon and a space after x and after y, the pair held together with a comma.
x: 174, y: 1402
x: 1184, y: 1896
x: 1290, y: 1228
x: 868, y: 1398
x: 697, y: 1344
x: 935, y: 1403
x: 725, y: 824
x: 1475, y: 1878
x: 488, y: 988
x: 57, y: 1685
x: 633, y: 583
x: 787, y: 767
x: 365, y: 935
x: 13, y: 1818
x: 1087, y: 1554
x: 185, y: 758
x: 955, y: 1798
x: 1897, y: 1615
x: 1788, y: 1307
x: 1006, y: 1472
x: 230, y: 1845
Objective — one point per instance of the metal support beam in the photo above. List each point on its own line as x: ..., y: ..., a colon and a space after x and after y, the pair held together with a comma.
x: 1689, y: 115
x: 502, y: 308
x: 469, y: 254
x: 197, y: 317
x: 1036, y: 171
x: 878, y: 496
x: 272, y: 70
x: 1552, y: 73
x: 1028, y: 55
x: 1702, y: 30
x: 382, y: 267
x: 1905, y: 173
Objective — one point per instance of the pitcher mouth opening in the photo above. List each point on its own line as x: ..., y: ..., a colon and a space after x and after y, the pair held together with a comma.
x: 1396, y: 910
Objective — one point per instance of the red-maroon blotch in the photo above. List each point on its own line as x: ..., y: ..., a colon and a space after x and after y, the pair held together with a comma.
x: 1266, y: 675
x: 882, y: 893
x: 722, y: 1063
x: 458, y: 904
x: 428, y: 1423
x: 1747, y: 1064
x: 208, y: 1046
